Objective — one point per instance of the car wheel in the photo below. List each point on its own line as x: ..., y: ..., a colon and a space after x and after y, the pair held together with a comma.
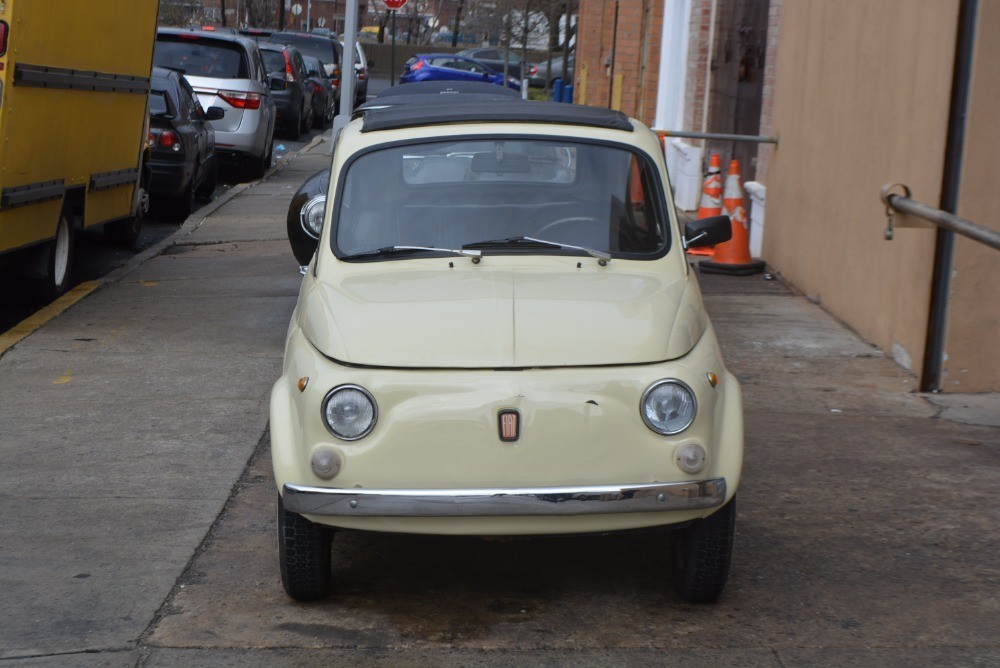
x: 59, y: 264
x: 258, y: 166
x: 295, y: 126
x: 307, y: 120
x: 126, y: 232
x: 304, y: 553
x: 184, y: 204
x: 207, y: 187
x: 702, y: 553
x: 319, y: 119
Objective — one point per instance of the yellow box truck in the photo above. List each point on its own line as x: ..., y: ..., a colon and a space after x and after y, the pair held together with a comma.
x: 74, y: 82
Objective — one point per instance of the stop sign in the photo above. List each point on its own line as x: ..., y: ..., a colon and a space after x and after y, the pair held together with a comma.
x: 394, y: 4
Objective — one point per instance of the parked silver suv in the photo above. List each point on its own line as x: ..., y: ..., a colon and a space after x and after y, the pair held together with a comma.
x: 226, y: 71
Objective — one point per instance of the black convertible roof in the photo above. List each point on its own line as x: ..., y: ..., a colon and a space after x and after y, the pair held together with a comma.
x: 488, y: 109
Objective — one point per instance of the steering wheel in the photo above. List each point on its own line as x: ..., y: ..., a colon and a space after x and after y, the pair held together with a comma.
x: 583, y: 224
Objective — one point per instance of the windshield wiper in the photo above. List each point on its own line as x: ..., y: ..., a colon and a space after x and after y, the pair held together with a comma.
x: 513, y: 241
x: 400, y: 250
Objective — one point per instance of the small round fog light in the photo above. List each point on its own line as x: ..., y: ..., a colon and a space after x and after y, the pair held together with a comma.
x: 326, y: 463
x: 691, y: 458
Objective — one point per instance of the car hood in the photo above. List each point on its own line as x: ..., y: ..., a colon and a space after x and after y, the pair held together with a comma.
x: 428, y: 316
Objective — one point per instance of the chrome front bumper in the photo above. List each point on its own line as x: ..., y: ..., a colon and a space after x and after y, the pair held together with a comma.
x: 596, y: 500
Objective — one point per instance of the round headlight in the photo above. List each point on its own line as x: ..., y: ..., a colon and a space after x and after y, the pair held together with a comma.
x: 311, y: 216
x: 349, y: 412
x: 668, y: 407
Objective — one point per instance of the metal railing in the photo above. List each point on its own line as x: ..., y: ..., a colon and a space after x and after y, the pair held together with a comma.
x: 683, y: 134
x: 902, y: 202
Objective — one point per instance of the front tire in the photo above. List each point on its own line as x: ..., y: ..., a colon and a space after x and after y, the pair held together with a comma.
x: 702, y: 553
x: 304, y: 552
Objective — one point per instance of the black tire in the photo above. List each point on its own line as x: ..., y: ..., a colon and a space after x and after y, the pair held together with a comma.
x: 258, y: 166
x: 60, y: 253
x: 183, y: 205
x: 294, y: 128
x: 207, y: 188
x: 307, y: 120
x: 304, y: 552
x: 319, y: 119
x: 702, y: 553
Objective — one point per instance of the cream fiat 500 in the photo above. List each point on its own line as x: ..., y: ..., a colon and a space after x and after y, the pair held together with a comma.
x: 499, y: 334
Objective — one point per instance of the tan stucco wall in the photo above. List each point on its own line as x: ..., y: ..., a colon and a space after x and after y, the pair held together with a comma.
x: 861, y: 99
x: 973, y: 356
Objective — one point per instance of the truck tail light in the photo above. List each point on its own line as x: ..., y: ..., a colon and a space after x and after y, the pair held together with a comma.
x: 4, y: 33
x: 240, y: 99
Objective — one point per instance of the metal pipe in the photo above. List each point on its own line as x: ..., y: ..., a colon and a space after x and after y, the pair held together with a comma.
x: 950, y: 222
x: 716, y: 136
x: 708, y: 70
x: 931, y: 376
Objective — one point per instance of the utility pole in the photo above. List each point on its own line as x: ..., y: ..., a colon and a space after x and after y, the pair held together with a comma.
x: 281, y: 14
x: 458, y: 22
x: 223, y: 5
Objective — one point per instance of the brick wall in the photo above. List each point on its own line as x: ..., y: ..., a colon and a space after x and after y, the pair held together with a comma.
x: 636, y: 51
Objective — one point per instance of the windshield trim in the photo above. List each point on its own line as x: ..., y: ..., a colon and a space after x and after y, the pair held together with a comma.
x: 659, y: 199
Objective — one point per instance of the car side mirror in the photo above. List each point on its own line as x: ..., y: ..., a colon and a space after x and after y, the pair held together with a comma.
x: 707, y: 232
x: 276, y: 82
x: 215, y: 114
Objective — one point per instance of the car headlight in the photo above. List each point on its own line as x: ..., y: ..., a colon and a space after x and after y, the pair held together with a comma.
x: 311, y: 216
x: 349, y: 412
x: 668, y: 407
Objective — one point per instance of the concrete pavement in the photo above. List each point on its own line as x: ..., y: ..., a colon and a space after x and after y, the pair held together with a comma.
x: 136, y: 503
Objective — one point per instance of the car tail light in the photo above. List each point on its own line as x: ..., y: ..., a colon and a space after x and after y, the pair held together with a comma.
x: 316, y: 87
x: 416, y: 66
x: 4, y: 31
x: 164, y: 138
x: 289, y: 71
x: 335, y: 77
x: 533, y: 70
x: 240, y: 99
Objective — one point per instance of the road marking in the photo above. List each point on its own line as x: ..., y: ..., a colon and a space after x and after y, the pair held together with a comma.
x: 27, y: 326
x: 65, y: 378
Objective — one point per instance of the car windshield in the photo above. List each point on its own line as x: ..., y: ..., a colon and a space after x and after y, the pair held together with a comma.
x: 502, y: 195
x: 201, y: 58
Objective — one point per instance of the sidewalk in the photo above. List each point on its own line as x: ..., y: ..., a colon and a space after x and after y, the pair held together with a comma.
x: 868, y: 531
x: 127, y: 420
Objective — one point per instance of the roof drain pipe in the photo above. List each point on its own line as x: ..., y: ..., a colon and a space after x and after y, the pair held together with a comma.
x: 931, y: 376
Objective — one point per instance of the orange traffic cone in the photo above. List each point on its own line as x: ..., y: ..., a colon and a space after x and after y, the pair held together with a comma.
x: 711, y: 198
x: 733, y: 256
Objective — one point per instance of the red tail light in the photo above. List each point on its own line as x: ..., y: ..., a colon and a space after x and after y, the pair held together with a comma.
x: 4, y: 31
x: 241, y: 100
x: 164, y: 138
x: 289, y: 71
x: 316, y: 87
x: 533, y: 70
x: 416, y: 66
x: 335, y: 77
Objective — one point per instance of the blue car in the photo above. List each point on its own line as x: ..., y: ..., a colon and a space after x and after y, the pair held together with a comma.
x: 450, y: 67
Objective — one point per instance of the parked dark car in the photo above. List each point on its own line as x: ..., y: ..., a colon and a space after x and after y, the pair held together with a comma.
x: 323, y: 92
x: 450, y: 67
x: 494, y: 59
x: 182, y: 163
x: 328, y: 50
x: 293, y: 102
